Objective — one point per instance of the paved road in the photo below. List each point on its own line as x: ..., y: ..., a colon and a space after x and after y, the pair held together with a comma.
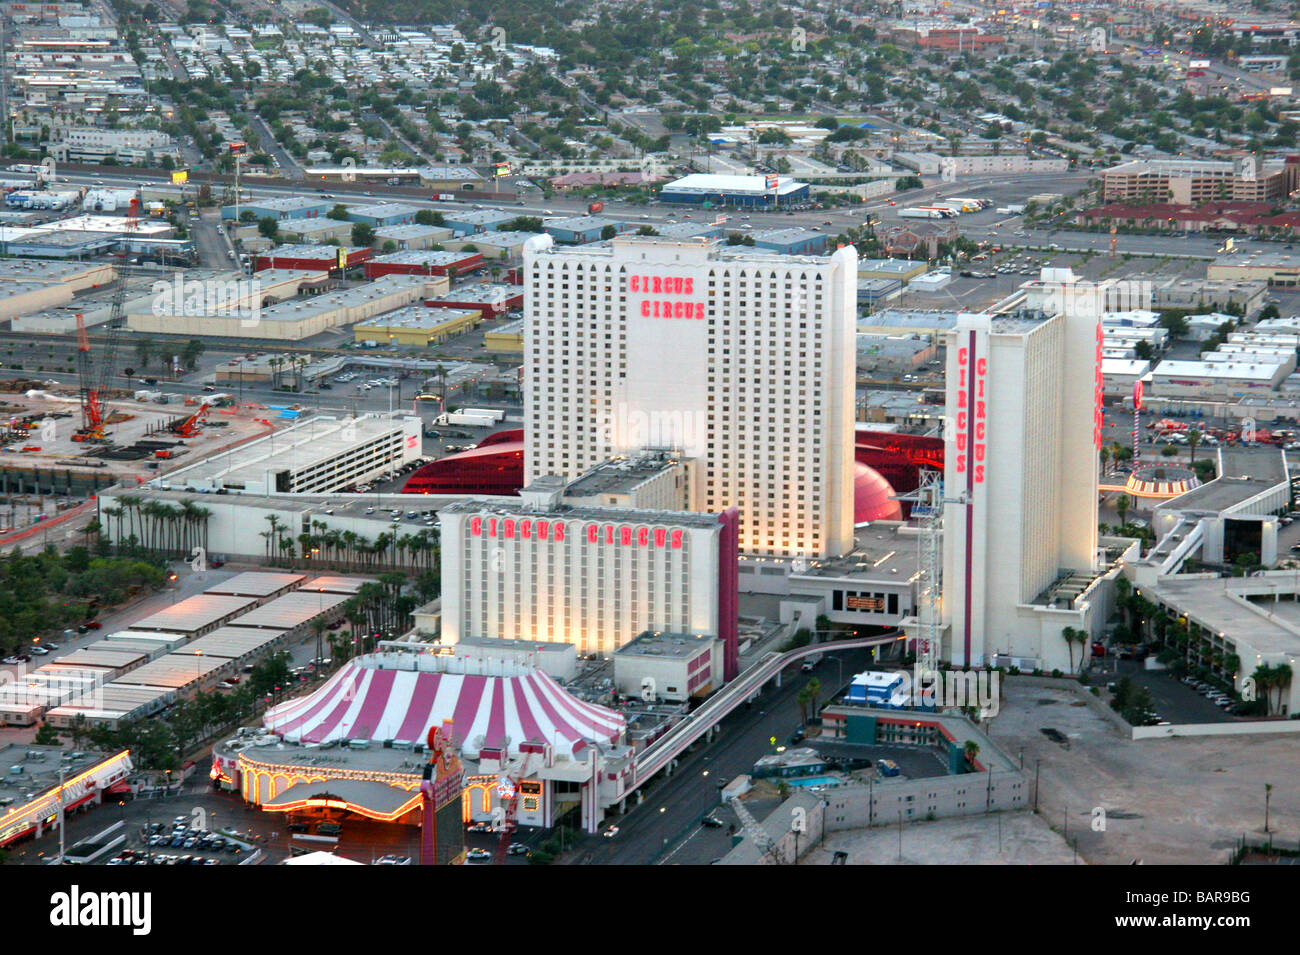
x: 673, y: 804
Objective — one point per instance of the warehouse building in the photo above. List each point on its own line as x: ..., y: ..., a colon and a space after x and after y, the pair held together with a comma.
x: 412, y: 236
x: 1120, y: 374
x: 297, y: 319
x: 418, y: 326
x: 23, y: 298
x: 280, y: 209
x: 75, y: 276
x: 492, y: 300
x: 314, y: 231
x: 1215, y: 380
x: 423, y: 262
x: 690, y: 230
x: 316, y: 258
x: 1274, y: 268
x: 900, y: 270
x: 745, y: 192
x: 383, y: 214
x: 791, y: 241
x: 471, y: 221
x: 1210, y: 293
x: 197, y: 615
x: 493, y: 245
x: 580, y: 230
x: 508, y: 339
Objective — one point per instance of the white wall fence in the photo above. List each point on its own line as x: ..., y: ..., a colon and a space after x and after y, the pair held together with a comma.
x: 1217, y: 729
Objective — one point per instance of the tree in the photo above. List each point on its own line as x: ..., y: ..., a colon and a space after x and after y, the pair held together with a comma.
x: 144, y: 350
x: 608, y: 232
x: 803, y: 698
x: 1193, y: 439
x: 362, y: 234
x: 340, y: 213
x: 1067, y: 634
x: 192, y: 352
x: 814, y: 688
x: 1122, y: 504
x: 47, y: 735
x: 429, y: 217
x: 971, y: 750
x: 268, y: 226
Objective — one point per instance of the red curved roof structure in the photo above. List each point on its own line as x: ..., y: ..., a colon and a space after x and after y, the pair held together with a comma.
x: 873, y: 498
x: 495, y: 467
x: 888, y: 463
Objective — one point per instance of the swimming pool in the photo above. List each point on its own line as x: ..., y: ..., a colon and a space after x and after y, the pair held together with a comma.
x: 805, y: 782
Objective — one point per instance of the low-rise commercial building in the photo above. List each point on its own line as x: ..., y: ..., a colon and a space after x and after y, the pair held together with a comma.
x: 418, y: 326
x: 1215, y: 380
x: 671, y: 667
x: 424, y: 262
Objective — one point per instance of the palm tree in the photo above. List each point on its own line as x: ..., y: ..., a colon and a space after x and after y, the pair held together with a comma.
x: 814, y: 687
x: 1067, y: 634
x: 1121, y: 506
x: 1103, y: 455
x: 971, y: 750
x: 1193, y: 439
x: 803, y: 698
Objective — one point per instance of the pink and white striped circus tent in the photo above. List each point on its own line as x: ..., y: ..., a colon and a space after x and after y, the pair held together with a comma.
x: 369, y: 700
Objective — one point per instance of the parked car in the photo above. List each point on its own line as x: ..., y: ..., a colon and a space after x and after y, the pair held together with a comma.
x: 478, y: 855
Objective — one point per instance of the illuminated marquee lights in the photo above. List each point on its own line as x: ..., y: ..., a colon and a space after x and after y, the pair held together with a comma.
x: 1098, y: 415
x: 970, y: 420
x: 620, y: 535
x: 667, y: 286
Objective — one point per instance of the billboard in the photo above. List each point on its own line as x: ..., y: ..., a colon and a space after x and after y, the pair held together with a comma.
x: 179, y: 176
x: 771, y: 182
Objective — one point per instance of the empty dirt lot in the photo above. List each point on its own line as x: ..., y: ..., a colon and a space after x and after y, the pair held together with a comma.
x: 1166, y: 801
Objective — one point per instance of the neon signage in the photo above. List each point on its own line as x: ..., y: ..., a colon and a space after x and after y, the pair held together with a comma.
x: 674, y: 289
x: 971, y: 413
x: 1098, y: 416
x: 618, y: 535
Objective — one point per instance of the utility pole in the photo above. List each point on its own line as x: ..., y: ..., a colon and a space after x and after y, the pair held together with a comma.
x: 61, y: 817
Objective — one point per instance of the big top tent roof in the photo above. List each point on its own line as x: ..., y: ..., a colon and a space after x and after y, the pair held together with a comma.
x: 381, y: 697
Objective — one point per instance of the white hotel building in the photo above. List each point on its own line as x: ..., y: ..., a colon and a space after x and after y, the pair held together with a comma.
x: 544, y: 569
x: 1020, y: 558
x: 742, y: 362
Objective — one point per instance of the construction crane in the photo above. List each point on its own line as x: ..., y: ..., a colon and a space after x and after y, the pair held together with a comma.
x: 189, y: 427
x: 756, y: 833
x: 94, y: 387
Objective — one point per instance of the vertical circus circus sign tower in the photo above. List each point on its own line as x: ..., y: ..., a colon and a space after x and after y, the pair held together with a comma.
x: 440, y: 787
x: 971, y: 413
x: 1099, y: 417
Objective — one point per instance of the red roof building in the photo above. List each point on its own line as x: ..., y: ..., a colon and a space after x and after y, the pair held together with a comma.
x: 1248, y: 217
